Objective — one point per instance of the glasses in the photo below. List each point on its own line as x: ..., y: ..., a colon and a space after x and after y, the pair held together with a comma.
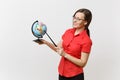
x: 78, y: 19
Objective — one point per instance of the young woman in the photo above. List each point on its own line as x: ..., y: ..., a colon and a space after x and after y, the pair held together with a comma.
x: 74, y: 47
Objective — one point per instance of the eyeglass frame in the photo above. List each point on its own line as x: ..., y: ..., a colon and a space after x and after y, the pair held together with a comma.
x: 76, y: 18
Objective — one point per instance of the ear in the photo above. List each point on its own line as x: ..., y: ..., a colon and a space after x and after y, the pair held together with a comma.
x: 85, y: 23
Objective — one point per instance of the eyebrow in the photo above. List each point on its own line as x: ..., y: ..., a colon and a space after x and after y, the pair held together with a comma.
x: 78, y: 18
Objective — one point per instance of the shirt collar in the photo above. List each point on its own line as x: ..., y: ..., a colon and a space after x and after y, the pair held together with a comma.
x: 82, y: 32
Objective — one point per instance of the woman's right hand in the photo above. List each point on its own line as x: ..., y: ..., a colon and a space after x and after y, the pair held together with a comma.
x: 40, y: 41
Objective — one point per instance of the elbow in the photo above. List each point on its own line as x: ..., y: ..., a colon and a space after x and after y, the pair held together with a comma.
x: 82, y: 64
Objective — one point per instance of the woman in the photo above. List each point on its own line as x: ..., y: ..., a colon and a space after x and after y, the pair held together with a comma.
x: 74, y: 47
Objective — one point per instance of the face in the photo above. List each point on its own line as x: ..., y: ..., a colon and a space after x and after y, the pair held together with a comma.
x: 79, y: 21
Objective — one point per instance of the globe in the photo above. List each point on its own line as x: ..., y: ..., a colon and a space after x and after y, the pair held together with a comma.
x: 38, y: 29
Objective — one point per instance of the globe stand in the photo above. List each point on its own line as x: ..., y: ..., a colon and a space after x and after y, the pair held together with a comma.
x: 38, y: 41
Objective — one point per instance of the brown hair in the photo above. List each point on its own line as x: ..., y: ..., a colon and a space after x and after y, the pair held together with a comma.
x: 88, y: 17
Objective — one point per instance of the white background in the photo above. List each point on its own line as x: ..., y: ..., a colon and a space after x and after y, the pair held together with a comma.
x: 22, y: 59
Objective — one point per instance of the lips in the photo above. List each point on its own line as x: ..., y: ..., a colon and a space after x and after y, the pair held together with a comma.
x: 75, y: 24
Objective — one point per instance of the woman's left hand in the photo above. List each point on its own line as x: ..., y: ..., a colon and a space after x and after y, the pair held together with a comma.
x: 60, y: 51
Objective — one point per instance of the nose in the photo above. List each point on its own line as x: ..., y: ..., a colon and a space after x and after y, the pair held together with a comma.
x: 74, y: 20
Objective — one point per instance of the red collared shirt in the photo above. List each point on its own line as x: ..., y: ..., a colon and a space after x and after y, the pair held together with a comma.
x: 73, y: 45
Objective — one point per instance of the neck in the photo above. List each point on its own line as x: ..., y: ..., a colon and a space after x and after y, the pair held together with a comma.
x: 78, y: 30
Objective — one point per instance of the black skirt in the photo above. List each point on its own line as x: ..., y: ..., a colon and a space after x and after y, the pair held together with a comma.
x: 77, y: 77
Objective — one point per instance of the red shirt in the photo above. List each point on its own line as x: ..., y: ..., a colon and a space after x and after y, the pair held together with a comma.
x: 73, y: 45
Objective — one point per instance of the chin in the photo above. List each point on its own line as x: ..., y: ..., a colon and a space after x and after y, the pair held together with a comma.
x: 75, y: 27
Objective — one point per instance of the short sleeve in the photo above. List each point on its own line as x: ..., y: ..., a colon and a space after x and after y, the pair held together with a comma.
x: 86, y: 47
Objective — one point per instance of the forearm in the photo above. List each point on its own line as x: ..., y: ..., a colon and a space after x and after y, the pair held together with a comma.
x: 75, y: 60
x: 50, y: 45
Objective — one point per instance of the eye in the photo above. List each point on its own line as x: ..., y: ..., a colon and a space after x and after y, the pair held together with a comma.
x: 77, y: 18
